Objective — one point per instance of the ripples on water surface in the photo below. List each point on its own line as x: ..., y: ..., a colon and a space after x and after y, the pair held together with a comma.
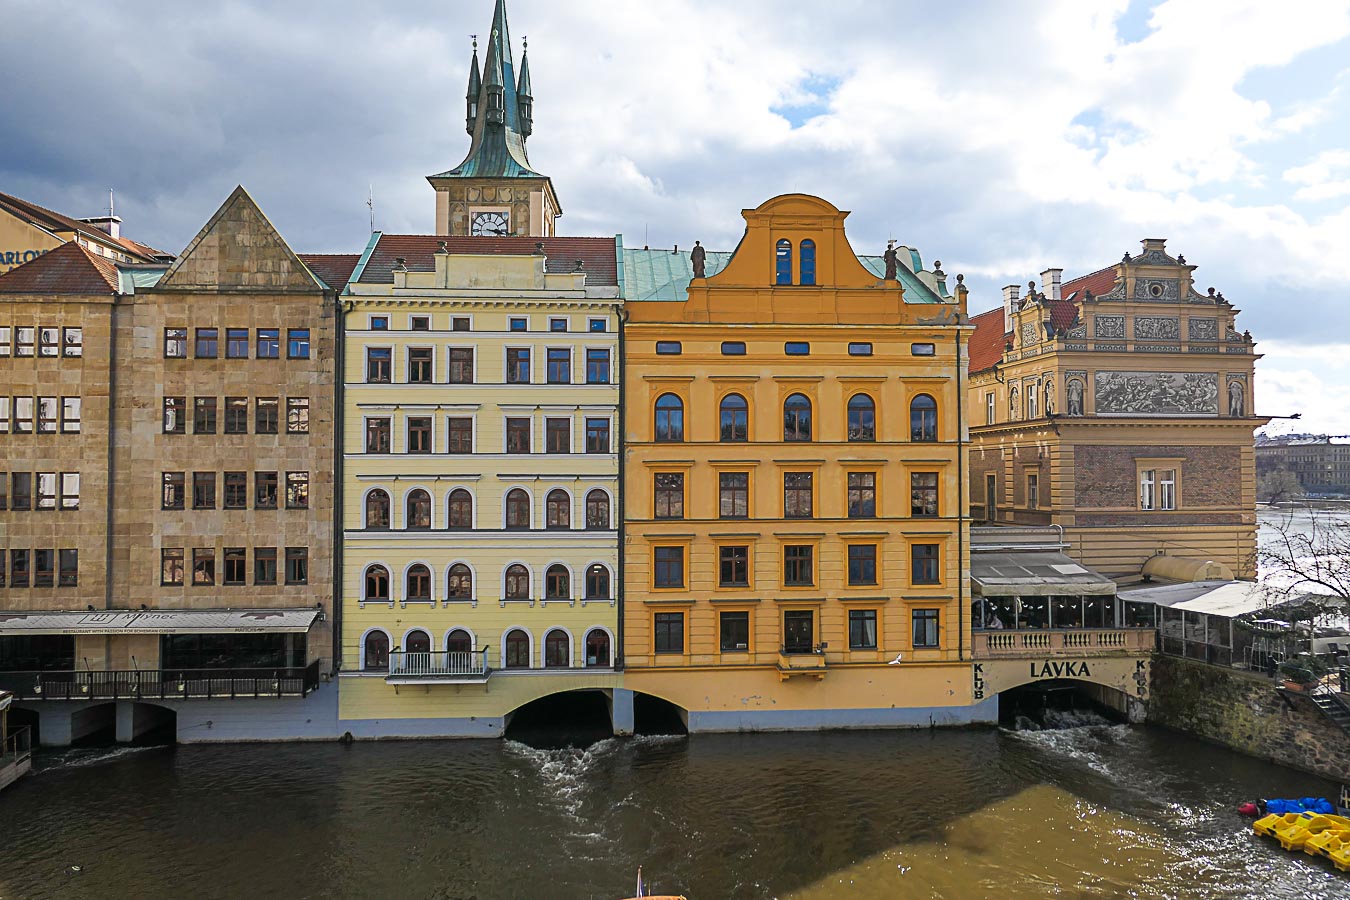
x: 1091, y: 811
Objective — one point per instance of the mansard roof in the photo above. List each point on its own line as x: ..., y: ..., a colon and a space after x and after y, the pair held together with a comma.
x: 598, y: 255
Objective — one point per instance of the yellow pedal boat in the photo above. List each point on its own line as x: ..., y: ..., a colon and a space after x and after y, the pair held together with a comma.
x: 1323, y: 843
x: 1292, y: 835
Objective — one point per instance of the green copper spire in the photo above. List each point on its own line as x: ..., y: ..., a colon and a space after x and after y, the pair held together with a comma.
x: 525, y: 96
x: 475, y: 89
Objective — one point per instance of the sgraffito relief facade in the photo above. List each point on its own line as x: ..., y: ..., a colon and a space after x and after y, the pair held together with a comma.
x: 1157, y: 393
x: 1157, y: 328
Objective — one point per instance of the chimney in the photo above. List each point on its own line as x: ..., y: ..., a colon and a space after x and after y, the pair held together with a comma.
x: 1050, y: 279
x: 109, y: 225
x: 1159, y: 244
x: 1010, y: 293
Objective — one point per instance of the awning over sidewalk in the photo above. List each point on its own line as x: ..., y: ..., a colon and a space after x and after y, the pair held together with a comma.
x: 1021, y: 573
x: 167, y: 621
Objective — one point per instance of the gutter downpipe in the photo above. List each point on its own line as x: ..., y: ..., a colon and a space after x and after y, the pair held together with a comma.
x: 621, y: 450
x: 339, y: 488
x: 110, y: 517
x: 960, y: 505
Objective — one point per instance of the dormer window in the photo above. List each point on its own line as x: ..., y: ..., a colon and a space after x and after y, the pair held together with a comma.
x: 783, y: 262
x: 808, y: 263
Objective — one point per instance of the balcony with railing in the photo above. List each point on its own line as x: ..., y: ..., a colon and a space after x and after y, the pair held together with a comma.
x: 163, y: 684
x: 1075, y: 642
x: 801, y: 660
x: 438, y: 666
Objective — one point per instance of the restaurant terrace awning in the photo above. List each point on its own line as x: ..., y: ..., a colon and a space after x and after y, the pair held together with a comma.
x: 1021, y: 573
x: 159, y: 621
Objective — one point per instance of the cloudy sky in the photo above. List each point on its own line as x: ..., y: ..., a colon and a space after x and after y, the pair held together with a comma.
x: 1002, y: 138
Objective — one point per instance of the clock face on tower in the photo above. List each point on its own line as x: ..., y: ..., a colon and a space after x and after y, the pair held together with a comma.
x: 490, y: 223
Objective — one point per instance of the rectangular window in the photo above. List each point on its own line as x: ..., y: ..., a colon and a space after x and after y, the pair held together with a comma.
x: 6, y: 414
x: 236, y: 565
x: 518, y: 365
x: 862, y: 564
x: 798, y: 495
x: 596, y: 325
x: 459, y: 323
x: 862, y: 629
x: 419, y: 365
x: 21, y: 497
x: 203, y: 490
x: 1167, y: 489
x: 922, y: 349
x: 557, y: 324
x: 264, y: 565
x: 378, y: 433
x: 171, y: 565
x: 733, y: 348
x: 173, y: 494
x: 990, y: 405
x: 559, y: 365
x: 862, y: 495
x: 297, y: 343
x: 236, y: 490
x: 923, y: 494
x: 557, y: 435
x: 859, y: 348
x: 203, y: 567
x: 236, y: 415
x: 519, y: 324
x: 297, y: 565
x: 461, y: 435
x: 668, y: 567
x: 236, y: 343
x: 669, y: 348
x: 266, y: 415
x: 419, y: 434
x: 1148, y: 489
x: 269, y: 343
x: 799, y: 627
x: 669, y: 495
x: 44, y: 568
x: 70, y: 490
x: 207, y: 344
x: 419, y: 323
x: 379, y: 365
x: 46, y: 490
x: 297, y: 490
x: 734, y: 632
x: 461, y: 365
x: 26, y: 338
x: 23, y: 415
x: 175, y: 343
x: 264, y: 490
x: 68, y: 571
x: 70, y: 415
x: 924, y: 564
x: 175, y: 415
x: 1033, y: 491
x: 797, y: 348
x: 5, y: 340
x: 49, y: 342
x: 377, y: 323
x: 597, y: 366
x: 4, y: 499
x: 733, y: 495
x: 597, y: 435
x: 733, y: 566
x: 518, y: 435
x: 203, y: 415
x: 668, y: 632
x: 799, y: 565
x: 49, y: 415
x: 926, y: 628
x: 18, y: 568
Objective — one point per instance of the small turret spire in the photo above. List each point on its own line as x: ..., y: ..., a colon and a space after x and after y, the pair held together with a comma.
x: 524, y: 95
x: 475, y: 88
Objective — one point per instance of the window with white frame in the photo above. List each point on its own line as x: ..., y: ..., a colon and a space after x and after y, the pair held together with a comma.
x: 1157, y: 489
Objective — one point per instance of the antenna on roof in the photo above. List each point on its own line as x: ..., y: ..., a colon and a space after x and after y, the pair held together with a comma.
x: 111, y: 207
x: 371, y: 203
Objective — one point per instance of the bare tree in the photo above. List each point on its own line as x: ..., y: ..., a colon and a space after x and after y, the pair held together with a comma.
x: 1277, y: 485
x: 1309, y: 553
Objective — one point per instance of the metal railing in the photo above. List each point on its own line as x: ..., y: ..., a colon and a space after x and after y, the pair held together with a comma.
x: 1068, y: 642
x: 162, y: 684
x: 18, y: 748
x: 438, y: 663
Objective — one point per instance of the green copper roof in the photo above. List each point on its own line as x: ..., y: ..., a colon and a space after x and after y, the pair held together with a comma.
x: 665, y: 275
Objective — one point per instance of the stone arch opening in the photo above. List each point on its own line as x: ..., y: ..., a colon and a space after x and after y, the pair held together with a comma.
x: 1065, y: 703
x: 565, y: 719
x: 654, y: 715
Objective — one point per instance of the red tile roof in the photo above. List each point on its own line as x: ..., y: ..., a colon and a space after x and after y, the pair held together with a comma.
x: 55, y: 221
x: 69, y: 269
x: 1098, y: 282
x: 334, y: 268
x: 1062, y: 314
x: 419, y: 250
x: 986, y: 344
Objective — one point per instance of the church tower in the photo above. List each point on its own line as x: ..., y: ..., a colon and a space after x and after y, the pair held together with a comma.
x: 494, y: 191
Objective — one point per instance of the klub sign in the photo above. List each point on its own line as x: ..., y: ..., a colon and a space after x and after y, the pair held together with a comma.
x: 12, y: 258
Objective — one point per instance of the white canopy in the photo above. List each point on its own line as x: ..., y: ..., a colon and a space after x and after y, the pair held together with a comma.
x: 159, y: 621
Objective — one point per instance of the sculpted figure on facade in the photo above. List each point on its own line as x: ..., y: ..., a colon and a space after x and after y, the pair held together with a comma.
x: 1049, y: 397
x: 1237, y: 399
x: 1075, y: 389
x: 892, y: 260
x: 698, y: 258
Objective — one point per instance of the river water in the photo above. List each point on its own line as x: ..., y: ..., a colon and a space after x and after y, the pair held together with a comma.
x: 1097, y: 810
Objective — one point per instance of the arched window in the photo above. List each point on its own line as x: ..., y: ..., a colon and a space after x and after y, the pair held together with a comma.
x: 597, y: 510
x: 517, y: 649
x: 377, y: 509
x: 557, y: 583
x: 377, y: 652
x: 797, y: 418
x: 377, y: 583
x: 735, y: 418
x: 558, y: 507
x: 419, y: 510
x: 557, y: 650
x: 923, y: 418
x: 669, y: 419
x: 460, y: 508
x: 517, y: 582
x: 597, y: 583
x: 418, y: 642
x: 458, y: 641
x: 597, y: 648
x: 517, y: 509
x: 783, y: 262
x: 862, y: 418
x: 808, y: 262
x: 419, y: 584
x: 459, y: 583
